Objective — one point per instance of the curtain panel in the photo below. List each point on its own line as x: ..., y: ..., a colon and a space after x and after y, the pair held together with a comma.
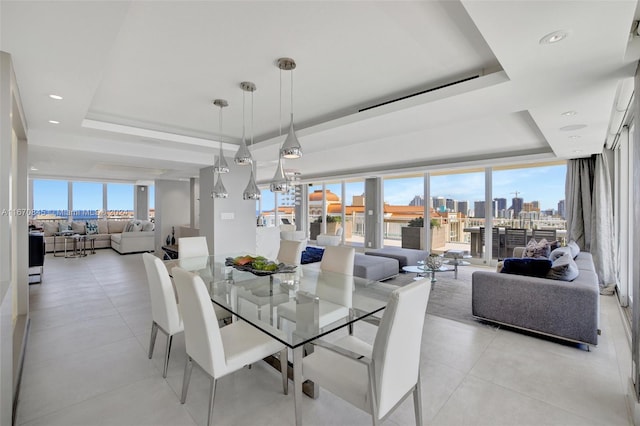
x: 589, y: 210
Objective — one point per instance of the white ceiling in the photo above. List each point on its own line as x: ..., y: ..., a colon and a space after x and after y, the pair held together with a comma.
x: 138, y: 79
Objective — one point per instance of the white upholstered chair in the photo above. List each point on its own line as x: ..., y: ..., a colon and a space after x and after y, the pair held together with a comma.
x: 218, y: 351
x: 336, y: 296
x: 193, y: 255
x: 377, y: 378
x: 330, y: 239
x: 290, y: 252
x: 164, y: 307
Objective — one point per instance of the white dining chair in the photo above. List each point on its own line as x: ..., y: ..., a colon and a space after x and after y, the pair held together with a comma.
x: 377, y: 378
x: 218, y: 351
x: 290, y: 252
x: 193, y: 255
x: 165, y: 313
x: 192, y: 247
x: 335, y: 294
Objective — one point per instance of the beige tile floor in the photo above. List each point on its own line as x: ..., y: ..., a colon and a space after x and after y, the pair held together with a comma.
x: 86, y: 364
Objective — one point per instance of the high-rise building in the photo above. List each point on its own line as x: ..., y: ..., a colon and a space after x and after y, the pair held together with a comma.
x: 516, y: 205
x: 501, y: 204
x: 450, y: 204
x: 478, y: 209
x: 417, y: 201
x: 561, y: 208
x: 463, y: 207
x: 438, y: 202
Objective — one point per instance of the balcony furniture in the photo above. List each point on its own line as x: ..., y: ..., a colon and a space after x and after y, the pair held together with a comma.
x: 405, y: 257
x: 36, y: 255
x: 375, y: 267
x: 377, y: 378
x: 165, y: 313
x: 547, y: 234
x: 217, y: 351
x: 497, y: 242
x: 567, y: 310
x: 369, y: 298
x: 289, y: 232
x: 514, y: 237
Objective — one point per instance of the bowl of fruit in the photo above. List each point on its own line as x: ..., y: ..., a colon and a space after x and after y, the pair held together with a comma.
x: 258, y: 265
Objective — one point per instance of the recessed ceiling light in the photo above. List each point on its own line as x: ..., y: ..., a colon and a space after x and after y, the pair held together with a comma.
x: 554, y: 37
x: 33, y: 169
x: 568, y: 113
x: 571, y: 127
x: 54, y: 122
x: 574, y: 137
x: 56, y: 97
x: 577, y: 151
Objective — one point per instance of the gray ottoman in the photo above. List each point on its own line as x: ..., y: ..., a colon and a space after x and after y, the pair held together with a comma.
x: 372, y: 268
x: 405, y: 257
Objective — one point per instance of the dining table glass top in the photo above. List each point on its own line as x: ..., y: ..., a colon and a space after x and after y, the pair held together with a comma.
x: 309, y: 292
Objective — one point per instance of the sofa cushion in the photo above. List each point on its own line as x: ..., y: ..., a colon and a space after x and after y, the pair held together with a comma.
x: 63, y: 225
x: 50, y: 228
x: 564, y: 268
x: 103, y: 227
x: 116, y: 226
x: 92, y: 227
x: 575, y: 248
x: 537, y: 249
x: 530, y: 266
x: 78, y: 228
x: 148, y: 225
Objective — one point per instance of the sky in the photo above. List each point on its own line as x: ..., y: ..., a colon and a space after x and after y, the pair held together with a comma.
x: 52, y: 195
x: 543, y: 184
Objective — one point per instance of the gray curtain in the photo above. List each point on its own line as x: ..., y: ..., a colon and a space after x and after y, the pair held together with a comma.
x: 589, y: 210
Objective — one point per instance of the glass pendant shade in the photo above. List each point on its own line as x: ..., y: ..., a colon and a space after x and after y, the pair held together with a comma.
x: 219, y: 191
x: 279, y: 182
x: 291, y: 147
x: 251, y: 192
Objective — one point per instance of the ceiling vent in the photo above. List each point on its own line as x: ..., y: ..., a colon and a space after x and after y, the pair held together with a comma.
x: 422, y: 92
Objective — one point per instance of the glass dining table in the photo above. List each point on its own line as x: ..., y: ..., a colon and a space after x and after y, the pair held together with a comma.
x: 255, y: 299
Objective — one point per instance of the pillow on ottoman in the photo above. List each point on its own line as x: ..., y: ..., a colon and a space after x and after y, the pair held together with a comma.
x: 532, y: 267
x: 564, y: 268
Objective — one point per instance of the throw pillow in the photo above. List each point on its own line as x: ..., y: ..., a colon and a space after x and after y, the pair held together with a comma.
x: 50, y: 228
x: 529, y: 266
x: 103, y: 228
x: 92, y: 227
x: 78, y: 228
x: 564, y: 268
x: 63, y: 225
x: 136, y: 227
x: 537, y: 249
x: 575, y: 248
x: 554, y: 245
x: 148, y: 226
x: 559, y: 252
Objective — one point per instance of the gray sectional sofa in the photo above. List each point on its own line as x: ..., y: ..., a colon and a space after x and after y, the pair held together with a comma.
x: 567, y: 310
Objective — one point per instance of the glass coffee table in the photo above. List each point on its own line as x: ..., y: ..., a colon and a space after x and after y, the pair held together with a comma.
x: 423, y: 270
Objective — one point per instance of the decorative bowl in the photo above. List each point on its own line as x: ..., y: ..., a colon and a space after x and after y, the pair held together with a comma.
x: 433, y: 261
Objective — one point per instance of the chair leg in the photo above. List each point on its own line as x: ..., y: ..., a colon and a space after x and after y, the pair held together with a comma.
x: 185, y: 380
x: 212, y: 397
x: 152, y: 342
x: 284, y: 365
x: 417, y: 402
x: 166, y: 356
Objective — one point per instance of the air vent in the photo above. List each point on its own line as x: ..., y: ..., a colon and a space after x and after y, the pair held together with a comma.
x: 420, y: 93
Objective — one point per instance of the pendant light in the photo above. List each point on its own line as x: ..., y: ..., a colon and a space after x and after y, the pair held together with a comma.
x: 251, y: 192
x: 220, y: 166
x: 291, y: 147
x: 279, y: 182
x: 243, y: 156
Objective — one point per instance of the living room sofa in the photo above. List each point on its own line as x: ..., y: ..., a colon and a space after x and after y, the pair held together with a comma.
x: 109, y: 234
x: 568, y: 310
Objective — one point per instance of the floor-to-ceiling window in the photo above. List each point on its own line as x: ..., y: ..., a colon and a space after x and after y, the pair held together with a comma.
x: 50, y: 199
x: 403, y: 205
x: 152, y: 203
x: 87, y: 200
x: 119, y: 201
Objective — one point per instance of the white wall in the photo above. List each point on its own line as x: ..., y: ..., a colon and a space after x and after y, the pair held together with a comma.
x: 228, y: 223
x: 172, y: 209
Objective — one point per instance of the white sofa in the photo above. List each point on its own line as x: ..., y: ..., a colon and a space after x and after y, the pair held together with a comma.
x: 330, y: 240
x: 288, y: 232
x: 124, y: 241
